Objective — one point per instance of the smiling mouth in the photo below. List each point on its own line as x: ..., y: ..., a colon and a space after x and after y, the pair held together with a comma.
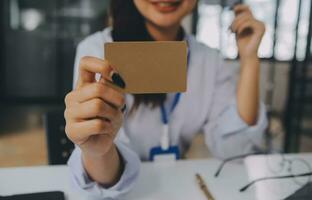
x: 166, y: 5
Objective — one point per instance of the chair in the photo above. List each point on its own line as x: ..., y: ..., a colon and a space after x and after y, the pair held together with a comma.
x: 59, y: 146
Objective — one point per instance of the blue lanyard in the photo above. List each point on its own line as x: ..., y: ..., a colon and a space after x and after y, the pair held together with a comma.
x: 164, y: 114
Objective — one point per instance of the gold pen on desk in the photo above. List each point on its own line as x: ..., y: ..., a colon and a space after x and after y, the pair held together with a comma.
x: 203, y: 187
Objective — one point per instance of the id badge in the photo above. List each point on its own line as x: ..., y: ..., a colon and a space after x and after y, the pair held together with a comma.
x: 170, y: 154
x: 164, y: 152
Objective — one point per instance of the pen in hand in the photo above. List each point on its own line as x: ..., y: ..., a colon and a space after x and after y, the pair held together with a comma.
x: 203, y: 187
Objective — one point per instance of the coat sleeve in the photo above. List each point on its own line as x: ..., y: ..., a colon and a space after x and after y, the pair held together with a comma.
x: 78, y: 175
x: 81, y: 182
x: 226, y: 134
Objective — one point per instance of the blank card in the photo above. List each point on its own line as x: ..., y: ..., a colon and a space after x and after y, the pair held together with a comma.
x: 149, y: 67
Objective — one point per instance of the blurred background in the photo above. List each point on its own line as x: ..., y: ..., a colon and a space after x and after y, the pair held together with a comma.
x: 38, y: 40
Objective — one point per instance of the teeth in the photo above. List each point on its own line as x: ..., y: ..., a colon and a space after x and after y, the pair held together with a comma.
x: 165, y: 4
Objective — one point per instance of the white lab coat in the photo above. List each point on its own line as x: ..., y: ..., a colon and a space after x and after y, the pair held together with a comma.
x: 208, y: 105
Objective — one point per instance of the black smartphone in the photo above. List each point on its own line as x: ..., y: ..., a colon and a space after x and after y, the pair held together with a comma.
x: 54, y: 195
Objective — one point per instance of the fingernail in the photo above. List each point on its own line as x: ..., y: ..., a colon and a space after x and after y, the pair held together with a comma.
x: 117, y: 80
x: 111, y: 74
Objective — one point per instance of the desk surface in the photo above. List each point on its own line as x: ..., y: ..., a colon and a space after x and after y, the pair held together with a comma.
x: 159, y: 181
x: 156, y: 181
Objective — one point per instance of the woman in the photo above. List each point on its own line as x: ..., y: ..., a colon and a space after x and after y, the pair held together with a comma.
x: 105, y: 162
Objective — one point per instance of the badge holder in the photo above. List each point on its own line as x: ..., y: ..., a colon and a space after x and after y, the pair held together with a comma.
x: 164, y: 152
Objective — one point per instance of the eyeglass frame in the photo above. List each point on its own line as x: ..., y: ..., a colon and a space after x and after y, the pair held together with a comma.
x: 244, y: 188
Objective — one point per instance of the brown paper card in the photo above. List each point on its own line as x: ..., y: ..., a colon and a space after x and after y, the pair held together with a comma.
x: 149, y: 67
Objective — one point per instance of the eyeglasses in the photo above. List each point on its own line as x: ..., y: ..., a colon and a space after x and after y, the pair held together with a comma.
x: 234, y: 158
x: 282, y: 163
x: 274, y: 177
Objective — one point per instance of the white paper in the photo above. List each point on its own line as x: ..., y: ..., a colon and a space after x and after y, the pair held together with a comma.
x: 265, y: 166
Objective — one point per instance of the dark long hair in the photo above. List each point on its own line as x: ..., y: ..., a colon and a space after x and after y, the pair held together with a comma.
x: 129, y: 25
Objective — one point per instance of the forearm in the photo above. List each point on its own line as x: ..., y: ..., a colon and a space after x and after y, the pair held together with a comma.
x: 248, y: 90
x: 105, y: 170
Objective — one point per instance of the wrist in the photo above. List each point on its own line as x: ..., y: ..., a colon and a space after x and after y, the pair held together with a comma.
x: 249, y: 57
x: 105, y: 169
x: 98, y: 157
x: 251, y: 61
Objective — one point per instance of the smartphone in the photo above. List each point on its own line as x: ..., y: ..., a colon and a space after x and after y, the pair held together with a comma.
x: 54, y: 195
